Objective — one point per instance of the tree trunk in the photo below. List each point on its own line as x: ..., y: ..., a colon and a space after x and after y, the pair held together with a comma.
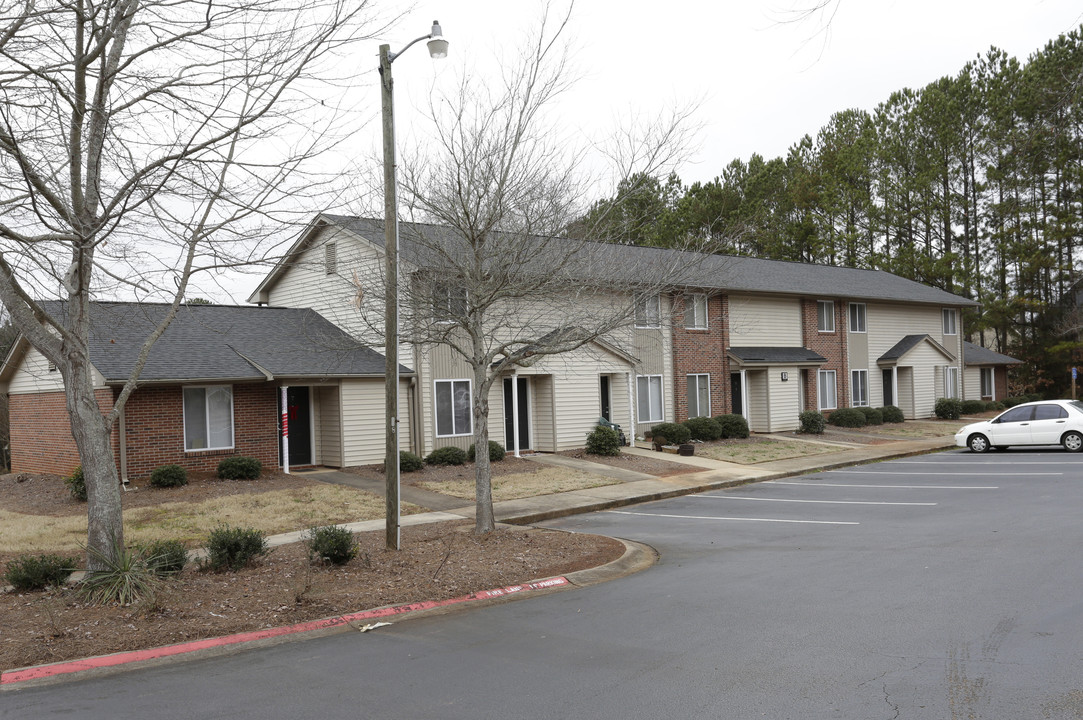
x: 485, y: 521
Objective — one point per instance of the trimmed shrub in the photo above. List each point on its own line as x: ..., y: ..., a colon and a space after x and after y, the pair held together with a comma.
x: 1013, y: 401
x: 496, y: 452
x: 603, y: 440
x: 167, y: 476
x: 812, y: 422
x: 164, y: 557
x: 408, y: 462
x: 873, y: 416
x: 703, y: 428
x: 733, y: 426
x: 331, y: 544
x: 674, y: 433
x: 948, y: 408
x: 76, y: 484
x: 233, y: 548
x: 970, y: 407
x: 847, y: 417
x: 449, y: 455
x: 994, y: 406
x: 37, y: 572
x: 1033, y: 397
x: 892, y: 414
x: 239, y: 467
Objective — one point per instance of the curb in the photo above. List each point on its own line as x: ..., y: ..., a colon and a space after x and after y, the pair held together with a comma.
x: 636, y: 557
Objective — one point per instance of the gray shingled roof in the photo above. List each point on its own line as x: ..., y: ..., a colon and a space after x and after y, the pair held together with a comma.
x: 224, y: 342
x: 777, y: 355
x: 977, y: 355
x: 714, y: 272
x: 907, y: 344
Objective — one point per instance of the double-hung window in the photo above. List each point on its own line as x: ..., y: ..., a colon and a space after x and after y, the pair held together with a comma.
x: 699, y: 395
x: 208, y: 417
x: 648, y: 311
x: 453, y: 411
x: 649, y: 398
x: 695, y: 311
x: 949, y: 321
x: 859, y: 388
x: 857, y: 317
x: 826, y: 389
x: 987, y: 382
x: 448, y: 302
x: 825, y: 316
x: 951, y: 381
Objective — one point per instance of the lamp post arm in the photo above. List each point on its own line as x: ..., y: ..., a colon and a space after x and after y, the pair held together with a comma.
x: 392, y: 55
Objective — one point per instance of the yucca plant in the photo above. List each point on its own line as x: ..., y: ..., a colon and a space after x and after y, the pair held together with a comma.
x: 125, y: 579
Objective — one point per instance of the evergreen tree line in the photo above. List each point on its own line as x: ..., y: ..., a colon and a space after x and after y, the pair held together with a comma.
x: 973, y: 184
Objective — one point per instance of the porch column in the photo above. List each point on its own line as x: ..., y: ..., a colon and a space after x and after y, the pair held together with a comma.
x: 285, y: 432
x: 514, y: 412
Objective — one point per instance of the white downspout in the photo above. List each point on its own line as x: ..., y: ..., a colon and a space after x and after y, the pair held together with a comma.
x: 631, y: 409
x: 514, y: 412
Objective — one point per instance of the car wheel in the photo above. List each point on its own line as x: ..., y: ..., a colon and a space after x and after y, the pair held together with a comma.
x: 1072, y: 441
x: 979, y: 443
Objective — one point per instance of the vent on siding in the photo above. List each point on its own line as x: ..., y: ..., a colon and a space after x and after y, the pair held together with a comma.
x: 330, y: 258
x: 52, y: 366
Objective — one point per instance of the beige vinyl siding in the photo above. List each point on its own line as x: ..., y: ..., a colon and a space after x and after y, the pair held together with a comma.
x: 329, y: 420
x: 653, y: 347
x: 972, y: 383
x: 857, y: 351
x: 783, y: 398
x: 34, y: 376
x: 543, y: 413
x: 362, y: 402
x: 756, y: 393
x: 440, y: 362
x: 887, y: 325
x: 765, y: 321
x: 906, y: 392
x: 927, y: 366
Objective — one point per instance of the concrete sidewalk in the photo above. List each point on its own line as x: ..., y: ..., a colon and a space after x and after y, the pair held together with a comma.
x: 634, y: 488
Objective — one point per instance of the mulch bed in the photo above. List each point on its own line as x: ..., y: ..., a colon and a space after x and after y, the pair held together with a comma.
x: 659, y: 467
x: 437, y: 562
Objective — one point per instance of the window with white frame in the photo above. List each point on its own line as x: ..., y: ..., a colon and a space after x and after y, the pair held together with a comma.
x: 949, y: 321
x: 825, y: 315
x: 951, y: 381
x: 987, y: 382
x: 649, y: 398
x: 699, y: 395
x: 695, y: 311
x: 208, y: 417
x: 453, y: 411
x: 448, y: 302
x: 857, y: 317
x: 825, y: 385
x: 859, y: 388
x: 648, y: 311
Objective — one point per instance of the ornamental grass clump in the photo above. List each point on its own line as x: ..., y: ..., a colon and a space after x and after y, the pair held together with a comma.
x: 124, y: 579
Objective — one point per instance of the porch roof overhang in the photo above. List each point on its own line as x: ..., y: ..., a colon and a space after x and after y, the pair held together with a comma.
x: 769, y: 356
x: 902, y: 348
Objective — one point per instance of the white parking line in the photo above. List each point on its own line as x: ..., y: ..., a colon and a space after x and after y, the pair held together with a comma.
x: 824, y: 502
x: 939, y: 474
x: 905, y: 487
x: 709, y: 517
x: 979, y: 462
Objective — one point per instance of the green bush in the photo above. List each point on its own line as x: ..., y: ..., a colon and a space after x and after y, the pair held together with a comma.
x: 603, y: 440
x: 167, y: 476
x: 948, y: 408
x: 812, y: 422
x: 873, y: 416
x: 892, y: 414
x: 331, y: 544
x: 408, y: 462
x: 123, y: 579
x: 1033, y: 397
x: 994, y: 406
x: 847, y: 417
x: 76, y: 484
x: 496, y: 452
x: 164, y: 557
x: 239, y: 467
x: 449, y: 455
x: 37, y: 572
x: 972, y: 407
x: 674, y: 433
x: 733, y: 426
x: 703, y: 428
x: 1013, y: 401
x: 233, y: 548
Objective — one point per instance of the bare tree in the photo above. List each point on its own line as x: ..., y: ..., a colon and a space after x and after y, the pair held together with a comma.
x: 494, y: 275
x: 141, y: 142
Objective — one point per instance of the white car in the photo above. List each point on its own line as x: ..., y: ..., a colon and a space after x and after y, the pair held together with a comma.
x: 1049, y: 422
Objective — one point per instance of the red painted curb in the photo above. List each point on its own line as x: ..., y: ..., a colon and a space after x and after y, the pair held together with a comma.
x: 102, y: 661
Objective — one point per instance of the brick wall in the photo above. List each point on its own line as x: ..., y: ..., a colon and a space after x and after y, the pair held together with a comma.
x: 154, y: 429
x: 701, y: 351
x: 830, y: 345
x: 41, y: 440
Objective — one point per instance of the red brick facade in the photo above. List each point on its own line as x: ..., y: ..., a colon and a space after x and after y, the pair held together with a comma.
x: 831, y: 345
x: 701, y: 351
x: 41, y: 438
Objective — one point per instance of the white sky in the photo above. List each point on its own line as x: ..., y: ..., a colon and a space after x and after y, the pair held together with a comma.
x: 764, y: 83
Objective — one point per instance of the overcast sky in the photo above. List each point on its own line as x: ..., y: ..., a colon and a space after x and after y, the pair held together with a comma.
x: 765, y: 83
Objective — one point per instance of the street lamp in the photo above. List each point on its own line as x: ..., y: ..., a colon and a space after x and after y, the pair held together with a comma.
x: 437, y: 49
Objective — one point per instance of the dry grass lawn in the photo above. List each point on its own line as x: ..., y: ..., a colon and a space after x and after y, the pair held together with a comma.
x: 916, y: 428
x: 544, y: 481
x: 762, y: 450
x: 272, y: 512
